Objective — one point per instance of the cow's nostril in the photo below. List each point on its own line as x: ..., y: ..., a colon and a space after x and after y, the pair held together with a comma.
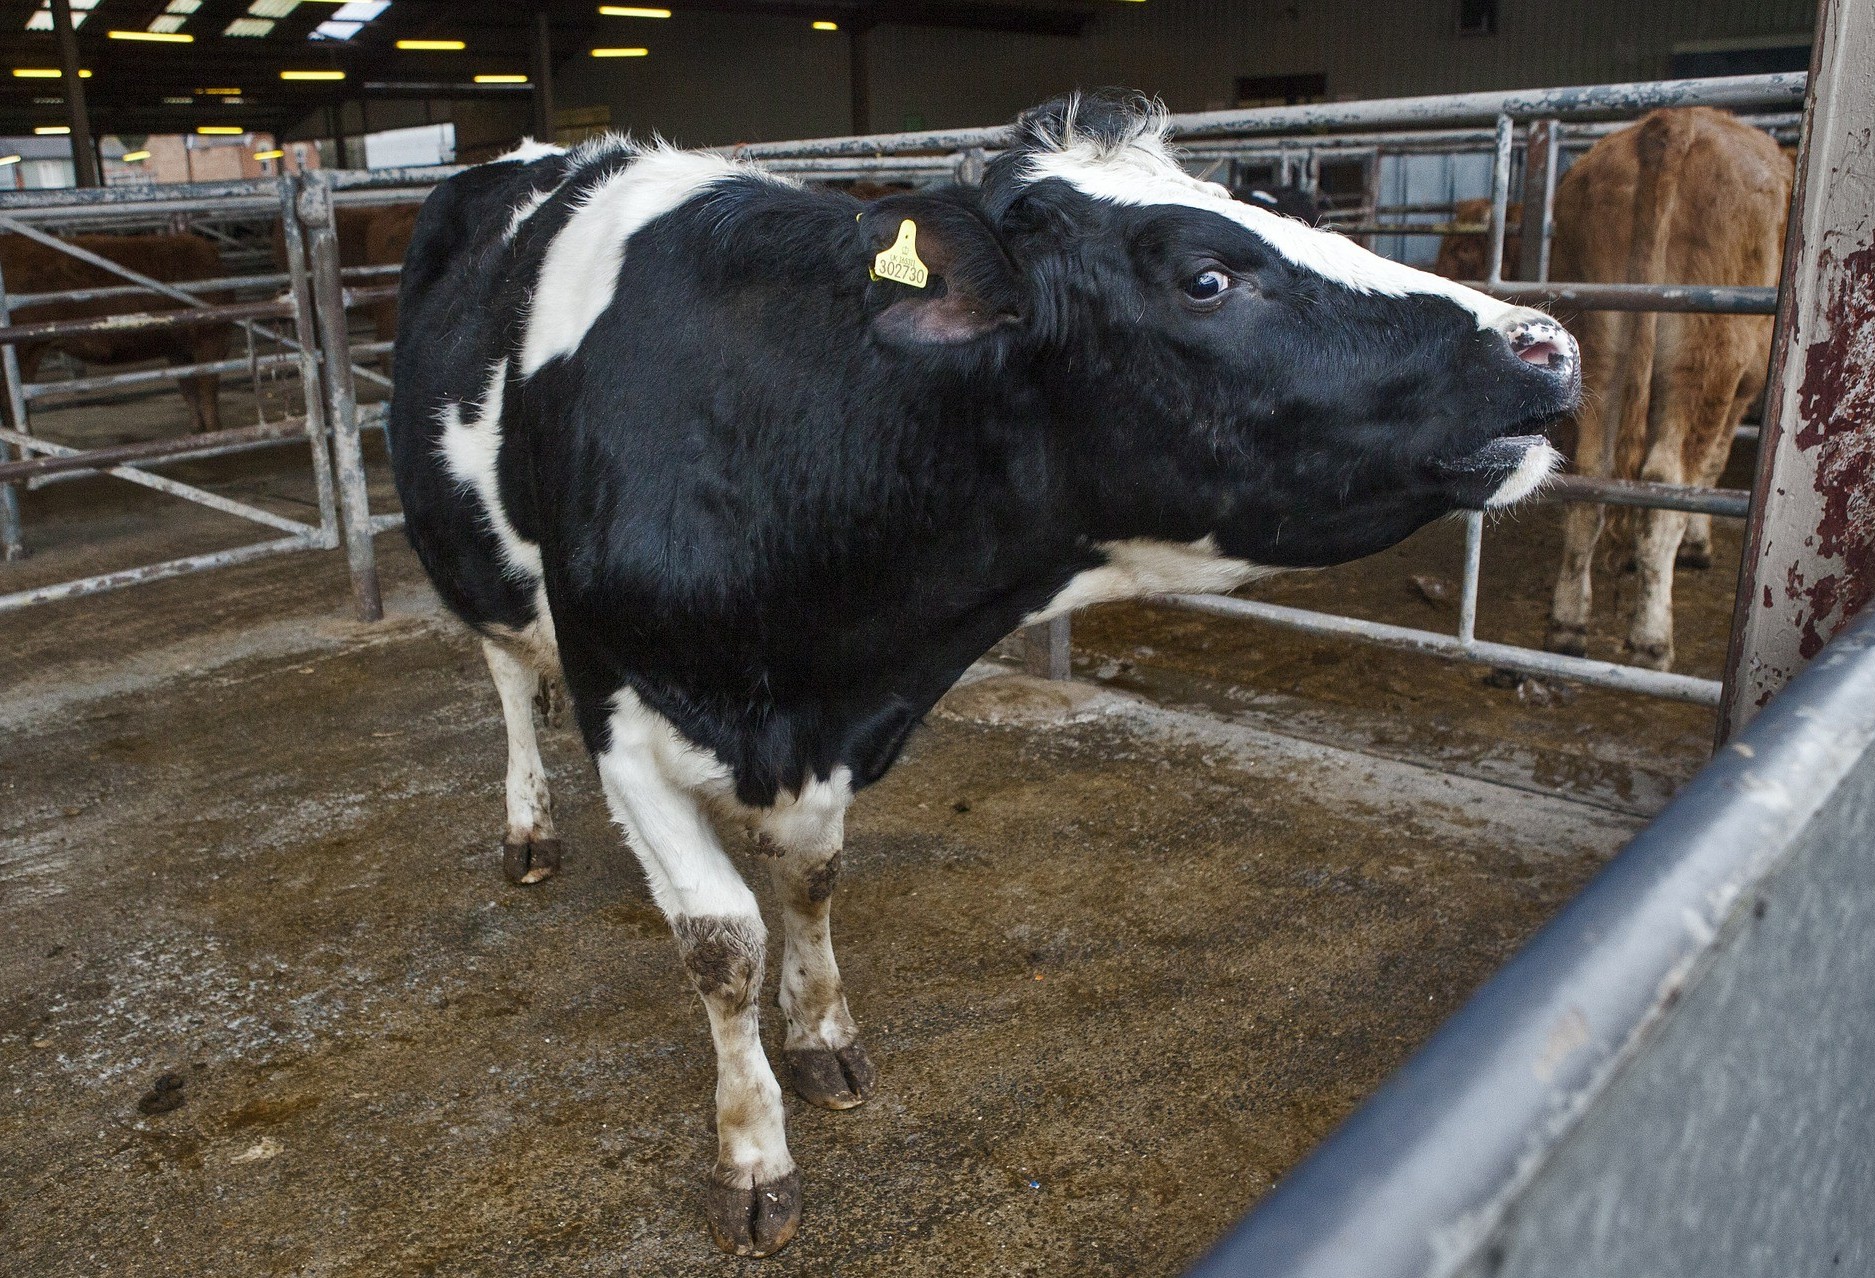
x: 1544, y: 354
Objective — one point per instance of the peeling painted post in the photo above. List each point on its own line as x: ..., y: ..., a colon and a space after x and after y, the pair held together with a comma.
x: 315, y: 209
x: 1809, y: 562
x: 1542, y: 150
x: 12, y: 537
x: 1045, y: 649
x: 1500, y: 201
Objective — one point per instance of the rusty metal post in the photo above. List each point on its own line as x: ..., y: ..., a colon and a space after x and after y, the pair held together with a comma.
x: 1541, y: 152
x: 1045, y: 649
x: 84, y: 155
x: 1500, y: 202
x: 12, y: 539
x: 1809, y: 562
x: 306, y: 330
x: 315, y: 210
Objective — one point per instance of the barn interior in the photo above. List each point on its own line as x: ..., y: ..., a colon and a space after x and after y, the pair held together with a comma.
x: 1130, y: 930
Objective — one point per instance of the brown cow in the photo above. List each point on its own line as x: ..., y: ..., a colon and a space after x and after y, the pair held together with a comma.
x: 30, y: 267
x: 369, y: 235
x: 1687, y: 196
x: 1463, y: 257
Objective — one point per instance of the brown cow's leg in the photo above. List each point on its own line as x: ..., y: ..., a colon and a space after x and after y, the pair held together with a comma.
x: 827, y: 1064
x: 1575, y: 587
x: 1571, y: 604
x: 203, y: 396
x: 652, y: 778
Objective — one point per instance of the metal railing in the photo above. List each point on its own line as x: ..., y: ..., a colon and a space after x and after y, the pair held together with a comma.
x: 318, y: 300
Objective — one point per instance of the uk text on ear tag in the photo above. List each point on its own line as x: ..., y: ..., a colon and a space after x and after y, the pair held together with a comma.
x: 900, y: 263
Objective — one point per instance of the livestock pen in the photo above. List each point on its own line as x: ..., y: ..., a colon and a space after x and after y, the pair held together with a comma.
x: 1125, y: 958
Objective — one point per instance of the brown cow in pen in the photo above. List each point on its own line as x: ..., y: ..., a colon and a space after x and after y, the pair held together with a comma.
x: 30, y: 267
x: 1687, y: 196
x: 1463, y: 257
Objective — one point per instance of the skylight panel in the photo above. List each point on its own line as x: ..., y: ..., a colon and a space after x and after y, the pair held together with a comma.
x: 361, y: 10
x: 167, y: 22
x: 248, y: 27
x: 42, y: 19
x: 330, y: 30
x: 182, y: 6
x: 272, y: 8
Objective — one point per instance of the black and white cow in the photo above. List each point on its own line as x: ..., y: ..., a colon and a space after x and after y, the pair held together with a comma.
x: 704, y: 443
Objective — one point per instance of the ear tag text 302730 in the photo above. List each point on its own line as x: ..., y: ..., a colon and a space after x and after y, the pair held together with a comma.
x: 900, y: 263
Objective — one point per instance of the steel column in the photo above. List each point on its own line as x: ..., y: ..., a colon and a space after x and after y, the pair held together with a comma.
x: 315, y: 210
x: 1809, y: 562
x: 543, y: 79
x: 12, y: 539
x: 306, y: 329
x: 84, y: 154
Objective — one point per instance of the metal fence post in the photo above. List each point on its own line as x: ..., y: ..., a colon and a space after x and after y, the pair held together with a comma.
x: 315, y: 211
x: 1809, y: 562
x: 12, y: 538
x: 1500, y: 201
x: 1542, y: 155
x: 306, y: 333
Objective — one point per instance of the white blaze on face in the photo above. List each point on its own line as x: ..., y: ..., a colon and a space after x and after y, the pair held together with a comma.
x: 1143, y: 174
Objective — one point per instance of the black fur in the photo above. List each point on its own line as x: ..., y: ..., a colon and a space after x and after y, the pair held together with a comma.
x: 788, y: 505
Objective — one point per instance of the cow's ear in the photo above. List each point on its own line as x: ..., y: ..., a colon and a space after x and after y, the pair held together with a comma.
x: 940, y: 276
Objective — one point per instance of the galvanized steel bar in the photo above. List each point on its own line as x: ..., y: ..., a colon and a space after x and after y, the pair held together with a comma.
x: 156, y: 572
x: 1468, y: 586
x: 12, y: 536
x: 1729, y: 503
x: 1500, y: 204
x: 1605, y: 674
x: 223, y: 284
x: 315, y: 211
x: 138, y: 321
x: 1698, y: 299
x: 146, y: 450
x: 188, y: 492
x: 38, y: 391
x: 1809, y: 562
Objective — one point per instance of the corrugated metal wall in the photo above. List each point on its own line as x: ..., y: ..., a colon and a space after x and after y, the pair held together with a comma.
x: 713, y: 78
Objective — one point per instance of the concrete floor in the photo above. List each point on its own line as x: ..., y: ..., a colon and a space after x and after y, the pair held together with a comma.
x: 1122, y: 954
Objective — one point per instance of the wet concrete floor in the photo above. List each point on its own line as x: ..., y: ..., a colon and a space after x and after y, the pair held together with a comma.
x: 1122, y: 954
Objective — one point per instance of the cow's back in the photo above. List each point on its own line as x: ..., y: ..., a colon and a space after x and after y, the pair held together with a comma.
x: 173, y: 258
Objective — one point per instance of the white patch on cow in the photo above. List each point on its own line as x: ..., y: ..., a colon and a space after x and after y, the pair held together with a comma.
x: 526, y: 209
x: 1539, y: 462
x: 654, y: 780
x: 811, y: 822
x: 528, y: 151
x: 1143, y: 567
x: 1143, y: 173
x: 1263, y: 197
x: 469, y: 451
x: 580, y: 271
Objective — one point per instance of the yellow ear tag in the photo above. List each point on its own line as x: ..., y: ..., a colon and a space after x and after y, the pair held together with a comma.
x: 900, y: 263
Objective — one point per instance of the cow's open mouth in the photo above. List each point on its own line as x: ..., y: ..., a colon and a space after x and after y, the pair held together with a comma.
x: 1503, y: 472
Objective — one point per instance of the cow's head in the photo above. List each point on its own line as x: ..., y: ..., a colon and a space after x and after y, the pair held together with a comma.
x: 1223, y: 370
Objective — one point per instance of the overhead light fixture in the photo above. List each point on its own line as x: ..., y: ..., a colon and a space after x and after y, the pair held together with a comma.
x: 312, y: 75
x: 501, y: 79
x: 154, y: 37
x: 826, y: 26
x: 274, y: 154
x: 128, y: 157
x: 620, y: 53
x: 220, y: 93
x: 224, y: 130
x: 45, y: 73
x: 9, y: 159
x: 52, y: 130
x: 631, y: 11
x: 432, y: 46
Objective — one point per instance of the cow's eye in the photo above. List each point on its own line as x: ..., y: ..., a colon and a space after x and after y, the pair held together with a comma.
x: 1205, y: 286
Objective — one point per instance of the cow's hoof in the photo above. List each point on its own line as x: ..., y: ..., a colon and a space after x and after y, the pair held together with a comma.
x: 1652, y: 656
x: 754, y: 1222
x: 531, y: 861
x: 1696, y: 558
x: 1570, y: 641
x: 832, y: 1079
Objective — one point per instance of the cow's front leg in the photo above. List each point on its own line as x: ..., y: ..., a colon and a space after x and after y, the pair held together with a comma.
x: 753, y: 1198
x: 827, y: 1064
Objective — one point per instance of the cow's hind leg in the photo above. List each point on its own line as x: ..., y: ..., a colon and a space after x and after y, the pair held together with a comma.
x: 651, y: 779
x: 530, y: 852
x: 827, y: 1064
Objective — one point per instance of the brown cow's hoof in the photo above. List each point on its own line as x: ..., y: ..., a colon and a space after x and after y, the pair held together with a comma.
x: 1570, y: 641
x: 530, y: 862
x: 754, y: 1222
x: 1696, y: 558
x: 832, y: 1079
